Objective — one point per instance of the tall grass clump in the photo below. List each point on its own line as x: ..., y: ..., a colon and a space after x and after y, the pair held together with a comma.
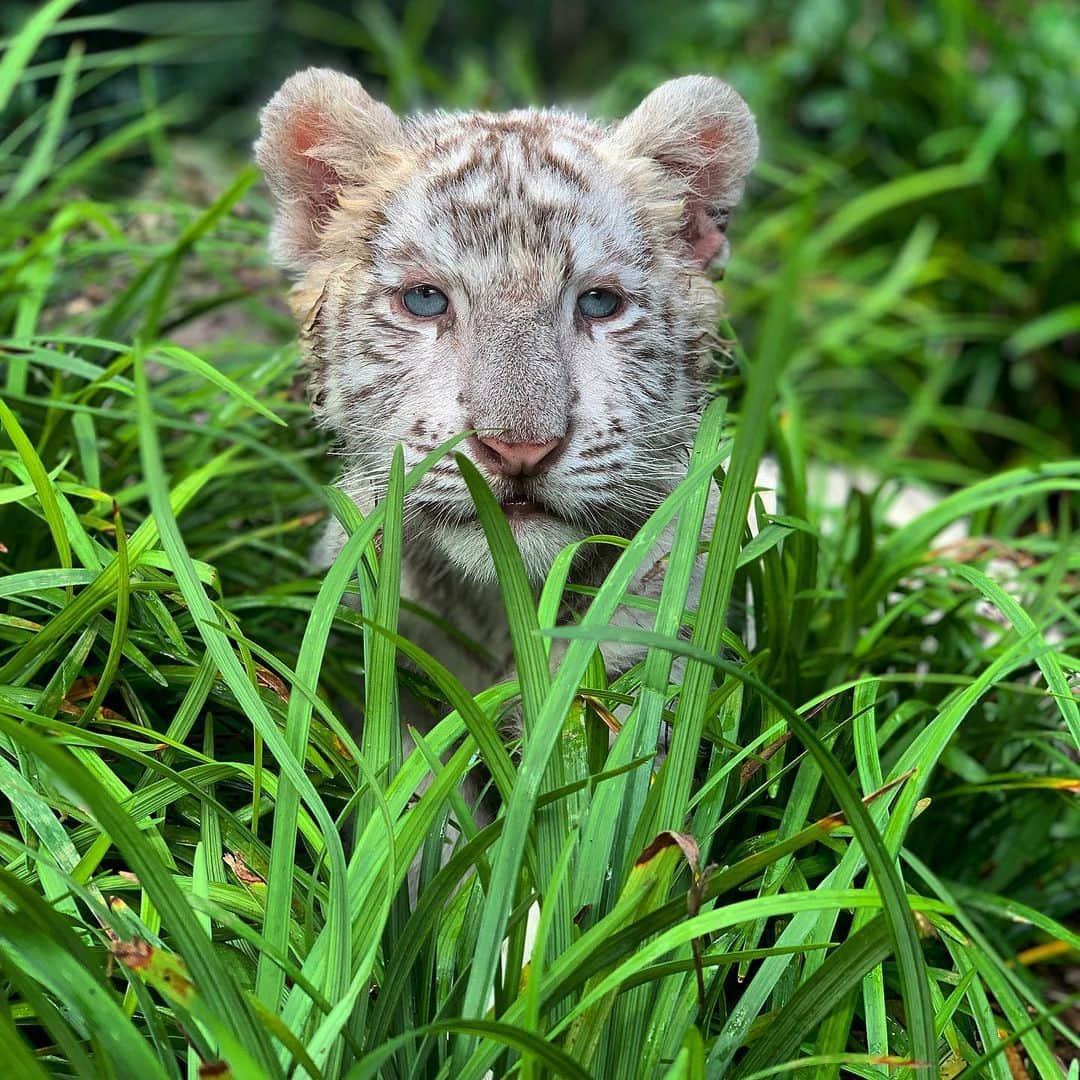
x: 859, y: 853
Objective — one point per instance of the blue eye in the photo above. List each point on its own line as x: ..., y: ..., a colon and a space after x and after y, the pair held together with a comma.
x: 425, y: 301
x: 599, y: 303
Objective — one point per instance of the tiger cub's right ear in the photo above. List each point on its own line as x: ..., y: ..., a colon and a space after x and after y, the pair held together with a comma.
x: 320, y: 133
x: 702, y: 135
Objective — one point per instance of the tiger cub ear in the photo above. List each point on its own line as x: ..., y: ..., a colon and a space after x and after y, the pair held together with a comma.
x: 702, y: 133
x: 320, y: 133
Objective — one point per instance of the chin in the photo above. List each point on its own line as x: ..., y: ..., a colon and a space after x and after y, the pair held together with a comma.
x: 540, y: 538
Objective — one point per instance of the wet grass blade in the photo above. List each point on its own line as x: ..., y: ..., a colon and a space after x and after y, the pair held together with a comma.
x: 214, y: 981
x: 902, y: 927
x: 818, y: 996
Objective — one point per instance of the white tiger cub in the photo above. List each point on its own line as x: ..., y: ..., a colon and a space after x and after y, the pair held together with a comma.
x: 532, y: 276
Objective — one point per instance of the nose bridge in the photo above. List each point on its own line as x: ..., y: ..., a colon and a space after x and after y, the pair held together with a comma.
x: 516, y: 380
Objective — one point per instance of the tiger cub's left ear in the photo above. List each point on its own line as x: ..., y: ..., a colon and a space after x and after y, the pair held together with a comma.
x: 701, y: 132
x: 320, y: 134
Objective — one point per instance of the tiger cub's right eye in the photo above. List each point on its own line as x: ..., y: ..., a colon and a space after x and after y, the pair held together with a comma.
x: 599, y: 303
x: 425, y: 301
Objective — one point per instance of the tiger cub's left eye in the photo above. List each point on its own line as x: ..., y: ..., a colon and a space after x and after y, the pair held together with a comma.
x: 425, y: 301
x: 598, y: 303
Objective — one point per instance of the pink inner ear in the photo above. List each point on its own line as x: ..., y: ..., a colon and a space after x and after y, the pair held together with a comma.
x: 706, y: 239
x: 304, y: 131
x: 318, y: 181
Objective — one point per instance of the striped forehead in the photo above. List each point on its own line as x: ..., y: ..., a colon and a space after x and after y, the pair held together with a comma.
x: 520, y: 192
x: 529, y: 148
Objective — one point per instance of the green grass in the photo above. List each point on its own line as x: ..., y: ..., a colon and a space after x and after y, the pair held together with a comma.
x: 859, y: 855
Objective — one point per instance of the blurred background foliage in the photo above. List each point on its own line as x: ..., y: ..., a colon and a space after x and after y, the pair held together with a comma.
x: 940, y: 137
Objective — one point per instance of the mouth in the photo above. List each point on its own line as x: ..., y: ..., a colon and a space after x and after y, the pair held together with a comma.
x: 520, y: 508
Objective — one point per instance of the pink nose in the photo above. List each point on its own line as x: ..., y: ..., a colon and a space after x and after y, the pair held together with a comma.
x: 520, y: 458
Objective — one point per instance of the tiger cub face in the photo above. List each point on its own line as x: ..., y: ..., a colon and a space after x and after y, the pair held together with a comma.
x: 532, y: 277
